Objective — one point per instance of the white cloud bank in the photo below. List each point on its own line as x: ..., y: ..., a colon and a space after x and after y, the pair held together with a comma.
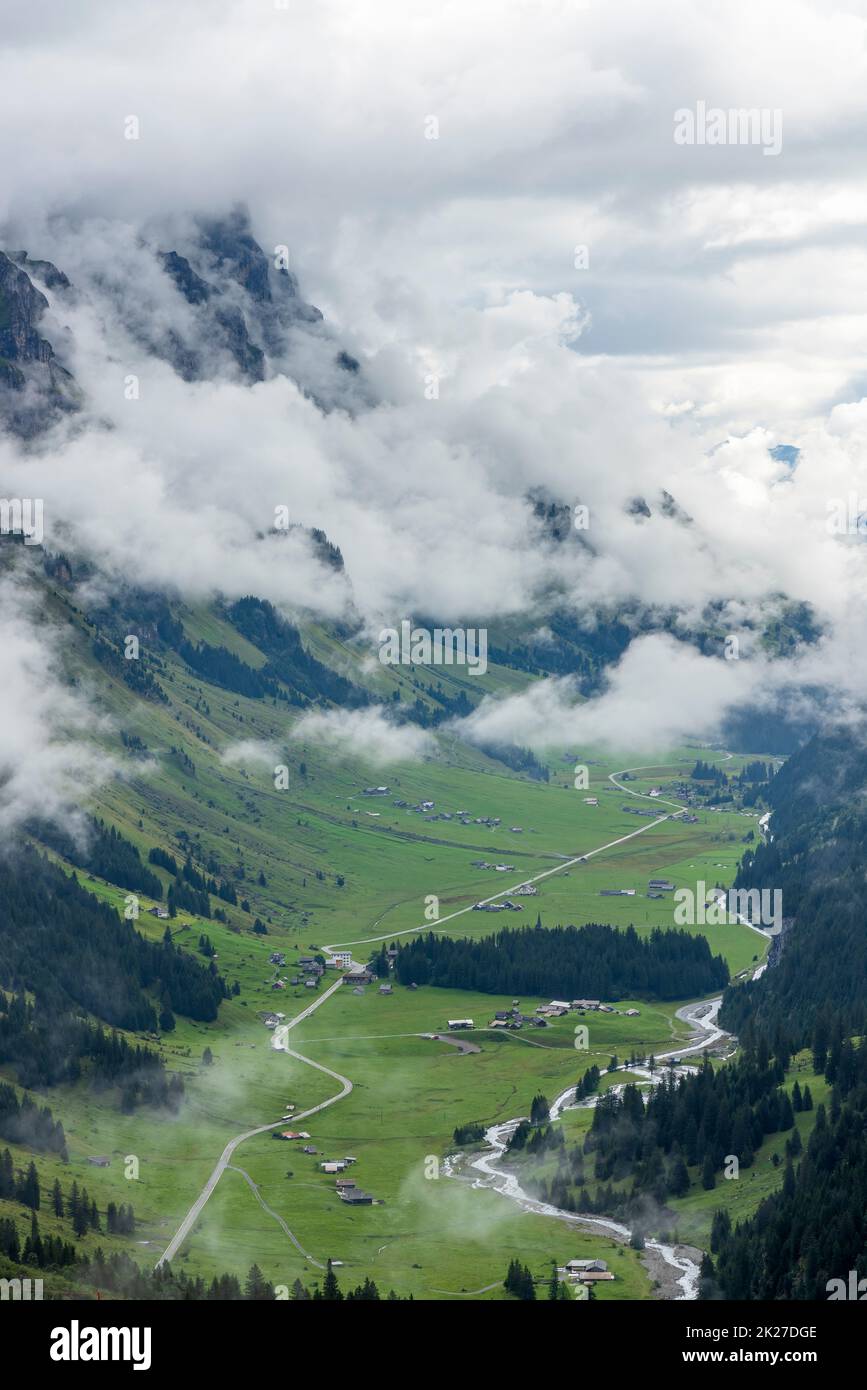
x: 48, y: 762
x: 366, y: 734
x: 719, y: 316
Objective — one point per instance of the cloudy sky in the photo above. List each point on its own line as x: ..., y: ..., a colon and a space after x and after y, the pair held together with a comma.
x: 607, y: 312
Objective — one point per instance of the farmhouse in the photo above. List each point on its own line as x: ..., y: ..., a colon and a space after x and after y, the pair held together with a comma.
x: 386, y: 989
x: 455, y: 1023
x: 100, y: 1161
x: 663, y: 885
x: 586, y: 1266
x: 585, y: 1003
x: 617, y: 892
x: 356, y: 1198
x: 358, y: 976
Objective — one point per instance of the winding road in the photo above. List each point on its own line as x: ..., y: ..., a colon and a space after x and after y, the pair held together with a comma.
x: 700, y: 1015
x: 278, y: 1041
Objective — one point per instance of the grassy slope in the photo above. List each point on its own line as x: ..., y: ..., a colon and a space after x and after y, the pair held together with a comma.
x: 410, y: 1093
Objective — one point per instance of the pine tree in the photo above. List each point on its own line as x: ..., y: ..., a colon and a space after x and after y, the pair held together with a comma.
x: 257, y: 1288
x: 330, y: 1287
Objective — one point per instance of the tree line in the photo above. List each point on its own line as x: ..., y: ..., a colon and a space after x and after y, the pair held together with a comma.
x: 593, y: 961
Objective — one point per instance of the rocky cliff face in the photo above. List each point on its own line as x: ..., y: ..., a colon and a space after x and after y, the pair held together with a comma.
x: 21, y: 308
x: 243, y: 316
x: 246, y: 305
x: 34, y: 388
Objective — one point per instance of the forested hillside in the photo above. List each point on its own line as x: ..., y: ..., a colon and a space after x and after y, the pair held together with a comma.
x: 817, y: 858
x: 64, y: 955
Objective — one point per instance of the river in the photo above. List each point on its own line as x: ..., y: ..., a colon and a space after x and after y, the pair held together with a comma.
x: 701, y: 1017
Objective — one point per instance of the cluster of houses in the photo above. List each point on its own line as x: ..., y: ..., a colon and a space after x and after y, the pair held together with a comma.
x: 558, y: 1007
x: 656, y: 888
x: 463, y: 816
x: 422, y: 808
x: 426, y: 808
x: 586, y: 1272
x: 337, y: 1165
x: 347, y: 1189
x: 514, y: 1019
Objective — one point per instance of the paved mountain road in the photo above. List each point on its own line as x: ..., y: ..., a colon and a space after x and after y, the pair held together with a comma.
x: 279, y: 1042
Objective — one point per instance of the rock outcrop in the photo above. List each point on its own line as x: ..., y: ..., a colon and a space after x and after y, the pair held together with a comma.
x: 34, y: 388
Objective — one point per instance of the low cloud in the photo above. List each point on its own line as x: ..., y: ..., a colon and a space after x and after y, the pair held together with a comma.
x: 365, y: 734
x: 660, y: 692
x: 49, y: 761
x: 249, y: 752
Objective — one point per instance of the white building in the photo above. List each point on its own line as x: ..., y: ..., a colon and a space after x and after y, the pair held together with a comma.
x: 340, y: 960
